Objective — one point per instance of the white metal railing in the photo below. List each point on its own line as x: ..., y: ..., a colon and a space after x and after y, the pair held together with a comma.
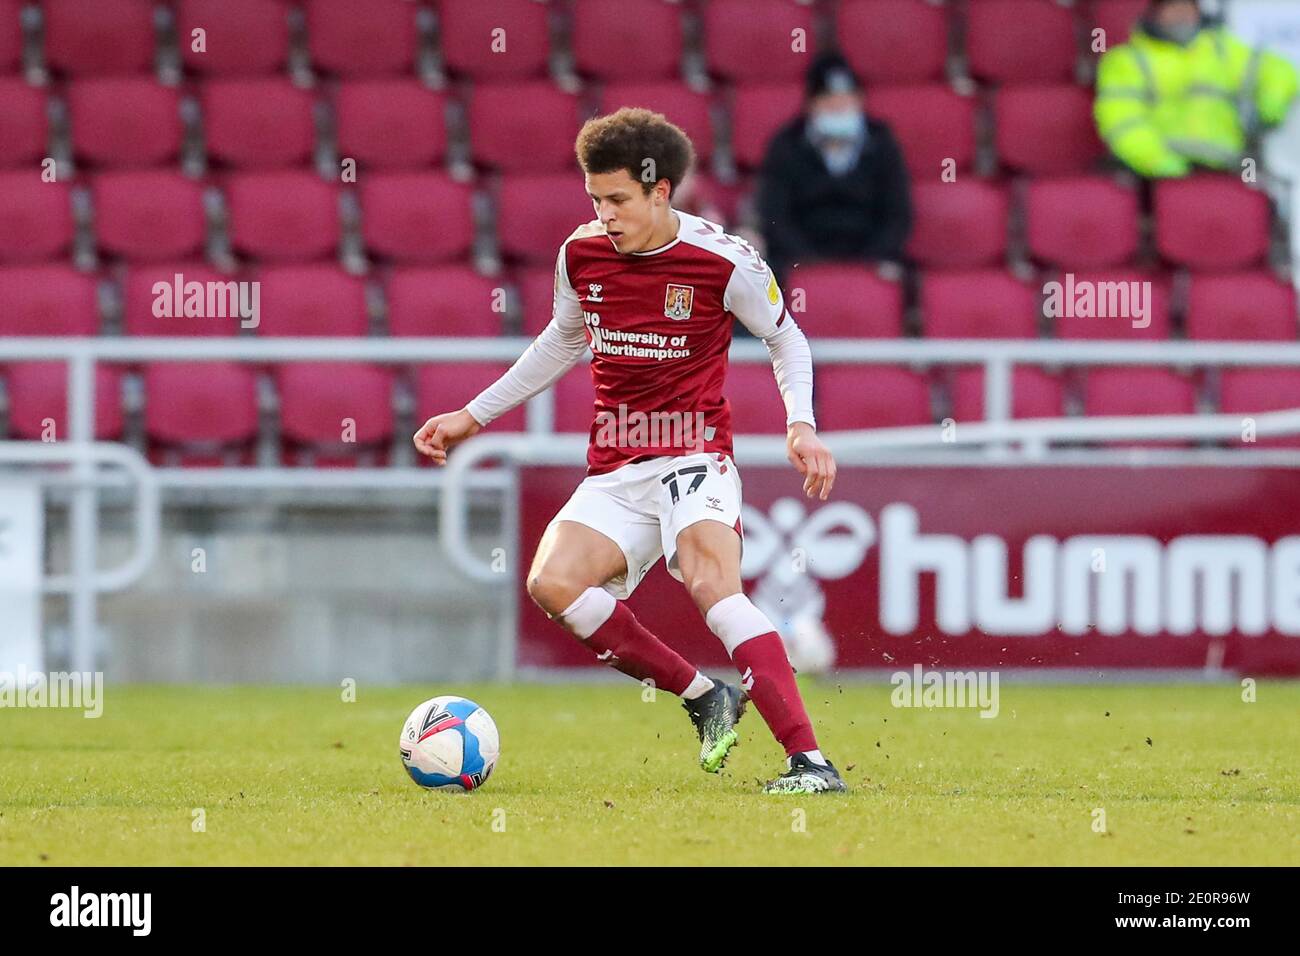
x: 540, y: 445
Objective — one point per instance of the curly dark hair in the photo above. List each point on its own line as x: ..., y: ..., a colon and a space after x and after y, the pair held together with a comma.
x: 631, y: 137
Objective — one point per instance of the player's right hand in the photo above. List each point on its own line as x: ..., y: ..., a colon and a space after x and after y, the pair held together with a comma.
x: 443, y: 432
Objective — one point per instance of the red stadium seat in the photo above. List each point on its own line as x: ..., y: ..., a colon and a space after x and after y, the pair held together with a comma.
x: 1120, y: 313
x: 677, y: 101
x: 575, y: 400
x: 35, y: 217
x: 893, y: 41
x: 125, y: 121
x: 536, y: 289
x: 757, y: 112
x: 1121, y: 390
x: 449, y: 385
x: 1211, y: 222
x: 447, y: 300
x: 200, y: 413
x: 378, y: 41
x: 11, y: 35
x: 961, y: 225
x: 1115, y: 17
x: 523, y: 127
x: 283, y: 216
x: 101, y: 38
x: 1034, y: 394
x: 258, y: 123
x: 149, y: 215
x: 139, y: 299
x: 1082, y: 222
x: 1020, y: 40
x: 536, y: 213
x: 335, y: 413
x: 877, y: 396
x: 652, y: 28
x: 24, y: 123
x: 312, y: 300
x: 989, y: 304
x: 38, y: 402
x: 1248, y: 305
x: 756, y: 406
x: 754, y: 39
x: 417, y: 218
x: 933, y: 124
x: 243, y: 37
x: 390, y: 124
x: 472, y: 46
x: 1248, y: 391
x: 843, y: 301
x: 1046, y: 130
x: 48, y: 300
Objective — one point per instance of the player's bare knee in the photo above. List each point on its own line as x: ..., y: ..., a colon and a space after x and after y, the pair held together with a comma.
x: 553, y: 592
x: 707, y: 589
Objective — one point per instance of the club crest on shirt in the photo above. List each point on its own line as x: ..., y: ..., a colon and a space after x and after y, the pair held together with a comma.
x: 678, y: 300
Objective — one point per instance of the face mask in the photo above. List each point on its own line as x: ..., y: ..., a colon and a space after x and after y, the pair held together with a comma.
x: 844, y: 124
x: 1183, y: 33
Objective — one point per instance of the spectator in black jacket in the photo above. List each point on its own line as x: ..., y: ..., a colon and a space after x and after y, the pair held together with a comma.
x: 833, y: 185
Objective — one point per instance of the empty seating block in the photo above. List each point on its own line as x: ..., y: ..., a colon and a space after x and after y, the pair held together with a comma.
x: 240, y: 37
x: 962, y: 224
x: 1046, y: 130
x: 1082, y: 222
x: 125, y: 121
x: 447, y: 300
x: 1211, y: 222
x: 151, y: 215
x: 283, y: 216
x: 756, y: 406
x: 38, y: 402
x: 1249, y: 391
x: 758, y: 111
x: 47, y: 300
x: 444, y: 386
x: 1111, y: 304
x: 1013, y: 41
x: 379, y: 39
x: 893, y: 41
x: 650, y: 27
x: 875, y: 396
x: 1139, y: 391
x: 35, y: 217
x: 107, y: 37
x: 506, y: 39
x: 417, y: 218
x: 524, y: 127
x: 757, y: 39
x: 390, y: 123
x: 200, y: 413
x: 1248, y: 305
x: 335, y: 413
x: 974, y: 305
x: 843, y: 301
x: 934, y: 126
x: 536, y: 213
x: 146, y: 307
x: 11, y: 35
x: 312, y: 300
x: 258, y: 123
x: 24, y: 122
x: 1034, y: 394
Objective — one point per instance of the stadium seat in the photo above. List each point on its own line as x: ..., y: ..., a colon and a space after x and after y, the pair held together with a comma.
x: 149, y: 214
x: 35, y: 217
x: 335, y: 414
x: 107, y: 37
x: 416, y: 218
x: 758, y: 111
x: 958, y: 225
x: 38, y: 397
x: 677, y: 101
x: 1247, y: 391
x: 893, y: 41
x: 652, y: 28
x: 261, y: 123
x: 243, y: 37
x: 470, y: 47
x: 536, y: 213
x: 523, y: 127
x: 575, y: 400
x: 1046, y: 130
x: 1115, y: 17
x: 24, y: 122
x: 446, y: 385
x: 125, y: 121
x: 1211, y: 222
x: 1081, y: 222
x: 1247, y: 305
x: 1138, y: 390
x: 1117, y: 323
x: 312, y: 300
x: 341, y: 39
x: 987, y: 304
x: 877, y: 396
x: 390, y: 124
x: 933, y: 124
x: 536, y: 290
x: 756, y: 406
x: 1016, y: 41
x: 48, y: 300
x: 1034, y: 394
x: 11, y: 35
x: 844, y: 301
x: 751, y: 40
x: 139, y: 298
x: 200, y: 413
x: 446, y: 300
x: 283, y: 216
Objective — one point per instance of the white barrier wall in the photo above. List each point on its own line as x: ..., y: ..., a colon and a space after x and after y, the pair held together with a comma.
x: 22, y: 518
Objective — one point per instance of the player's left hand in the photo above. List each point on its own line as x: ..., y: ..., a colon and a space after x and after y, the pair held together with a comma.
x: 813, y: 459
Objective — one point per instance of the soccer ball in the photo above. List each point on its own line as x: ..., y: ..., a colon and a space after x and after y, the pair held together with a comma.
x: 450, y: 743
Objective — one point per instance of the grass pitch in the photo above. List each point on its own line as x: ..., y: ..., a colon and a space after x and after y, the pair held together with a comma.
x: 591, y: 774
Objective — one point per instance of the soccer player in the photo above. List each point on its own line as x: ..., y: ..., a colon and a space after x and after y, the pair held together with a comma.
x: 653, y: 292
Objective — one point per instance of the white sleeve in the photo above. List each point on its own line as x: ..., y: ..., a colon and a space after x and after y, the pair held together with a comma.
x: 754, y: 297
x: 556, y: 350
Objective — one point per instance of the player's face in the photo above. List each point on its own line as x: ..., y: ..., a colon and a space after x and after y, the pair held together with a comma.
x: 633, y: 219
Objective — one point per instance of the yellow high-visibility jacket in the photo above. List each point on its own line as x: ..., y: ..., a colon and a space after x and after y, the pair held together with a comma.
x: 1161, y: 107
